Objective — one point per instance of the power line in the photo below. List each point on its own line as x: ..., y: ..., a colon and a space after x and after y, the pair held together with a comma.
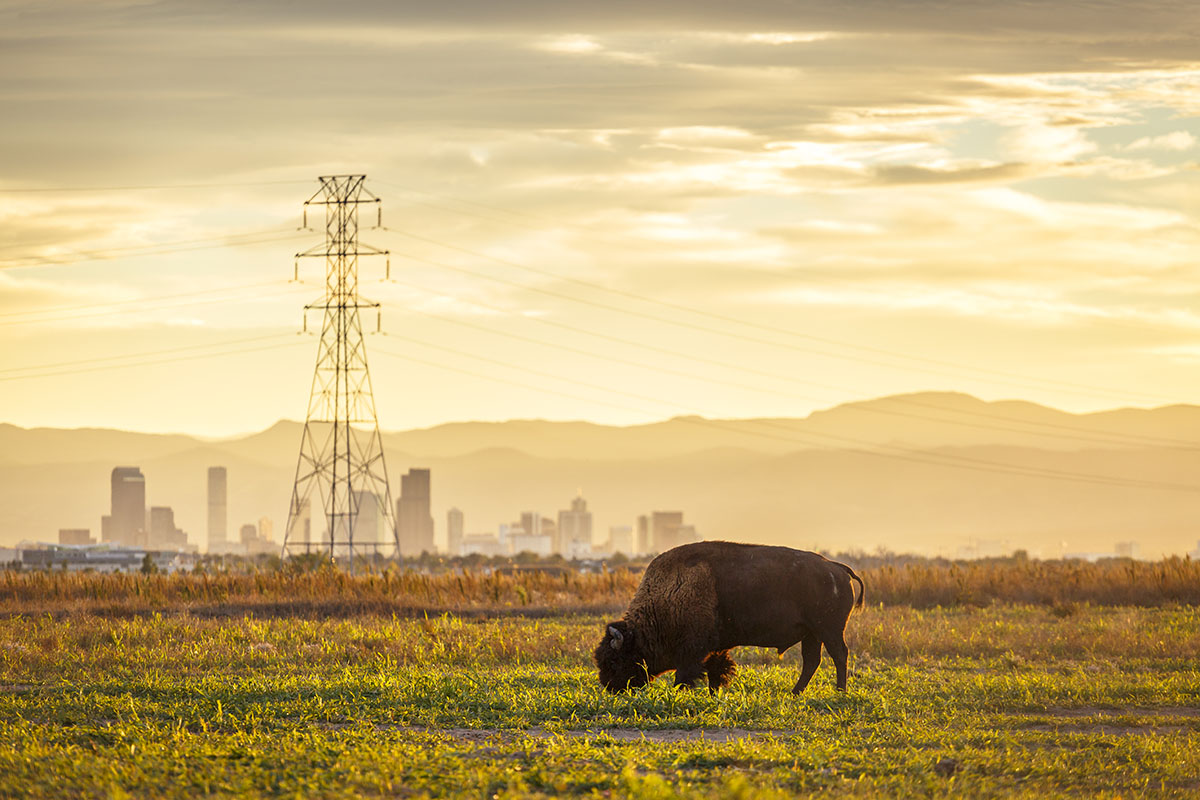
x: 1073, y: 387
x: 163, y: 248
x: 151, y: 299
x: 139, y: 355
x: 1099, y: 437
x: 162, y: 307
x: 139, y: 188
x: 869, y: 448
x: 154, y: 245
x: 102, y: 368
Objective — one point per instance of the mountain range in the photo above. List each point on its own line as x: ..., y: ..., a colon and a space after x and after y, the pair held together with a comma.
x: 926, y: 472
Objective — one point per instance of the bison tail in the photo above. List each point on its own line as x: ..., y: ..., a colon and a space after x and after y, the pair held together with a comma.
x: 862, y: 589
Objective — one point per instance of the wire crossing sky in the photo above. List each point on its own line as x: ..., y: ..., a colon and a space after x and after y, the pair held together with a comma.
x: 734, y: 210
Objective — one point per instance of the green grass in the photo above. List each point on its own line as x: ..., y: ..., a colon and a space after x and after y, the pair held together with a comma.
x: 1101, y: 702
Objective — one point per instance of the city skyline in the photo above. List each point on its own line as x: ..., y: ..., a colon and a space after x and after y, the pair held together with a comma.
x: 726, y: 212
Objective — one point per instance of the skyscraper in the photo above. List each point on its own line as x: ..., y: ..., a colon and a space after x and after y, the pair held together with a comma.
x: 366, y: 525
x: 300, y: 533
x: 667, y: 530
x: 454, y: 532
x: 414, y: 523
x: 126, y: 524
x: 575, y: 530
x: 620, y: 540
x: 163, y: 534
x: 218, y: 540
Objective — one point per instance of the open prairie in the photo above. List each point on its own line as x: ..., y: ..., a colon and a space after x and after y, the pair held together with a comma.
x: 972, y: 701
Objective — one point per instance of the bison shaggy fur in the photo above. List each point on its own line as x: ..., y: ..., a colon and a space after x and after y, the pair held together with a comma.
x: 698, y: 601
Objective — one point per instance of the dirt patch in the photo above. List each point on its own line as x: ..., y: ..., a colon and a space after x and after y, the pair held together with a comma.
x: 1131, y: 721
x: 663, y: 735
x: 16, y: 688
x: 1107, y: 730
x: 1100, y: 712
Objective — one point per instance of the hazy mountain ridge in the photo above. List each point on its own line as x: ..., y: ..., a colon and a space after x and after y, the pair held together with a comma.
x: 923, y: 420
x: 835, y: 479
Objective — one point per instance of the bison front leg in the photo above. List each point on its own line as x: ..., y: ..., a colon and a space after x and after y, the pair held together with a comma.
x: 810, y: 651
x: 720, y: 668
x: 687, y: 674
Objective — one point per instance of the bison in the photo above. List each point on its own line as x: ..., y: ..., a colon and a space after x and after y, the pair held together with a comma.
x: 698, y: 601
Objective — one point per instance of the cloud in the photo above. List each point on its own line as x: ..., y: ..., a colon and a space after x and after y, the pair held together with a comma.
x: 1176, y: 140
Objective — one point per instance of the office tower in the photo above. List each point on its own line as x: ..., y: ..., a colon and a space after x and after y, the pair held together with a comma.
x: 620, y: 540
x: 575, y: 530
x: 530, y: 524
x: 643, y: 535
x: 126, y: 524
x: 218, y: 516
x: 300, y: 533
x: 454, y: 532
x: 163, y: 535
x: 664, y: 530
x: 266, y: 530
x: 414, y: 523
x: 367, y: 528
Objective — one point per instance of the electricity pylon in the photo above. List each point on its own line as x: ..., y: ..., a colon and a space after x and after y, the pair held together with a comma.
x: 341, y: 452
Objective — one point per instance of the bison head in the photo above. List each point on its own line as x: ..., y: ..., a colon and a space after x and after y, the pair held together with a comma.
x: 622, y: 665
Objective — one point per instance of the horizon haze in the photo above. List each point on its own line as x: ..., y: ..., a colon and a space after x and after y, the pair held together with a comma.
x: 903, y: 274
x: 930, y: 473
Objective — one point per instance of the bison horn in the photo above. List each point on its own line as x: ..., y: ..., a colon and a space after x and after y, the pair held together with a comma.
x: 617, y: 637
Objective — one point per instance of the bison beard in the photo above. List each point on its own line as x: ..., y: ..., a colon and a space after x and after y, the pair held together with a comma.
x: 698, y: 601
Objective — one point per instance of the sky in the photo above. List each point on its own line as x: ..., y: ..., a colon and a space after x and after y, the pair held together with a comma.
x: 614, y: 212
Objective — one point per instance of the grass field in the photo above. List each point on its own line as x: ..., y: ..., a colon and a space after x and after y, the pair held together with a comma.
x: 967, y: 702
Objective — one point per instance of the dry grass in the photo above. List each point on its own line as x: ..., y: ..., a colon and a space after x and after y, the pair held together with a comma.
x: 1061, y: 586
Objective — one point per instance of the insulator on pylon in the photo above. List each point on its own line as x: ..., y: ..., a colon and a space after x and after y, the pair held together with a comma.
x: 296, y: 271
x: 341, y: 357
x: 387, y: 270
x: 378, y: 214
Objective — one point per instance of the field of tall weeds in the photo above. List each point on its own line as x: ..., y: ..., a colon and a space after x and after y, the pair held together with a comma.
x: 1062, y: 586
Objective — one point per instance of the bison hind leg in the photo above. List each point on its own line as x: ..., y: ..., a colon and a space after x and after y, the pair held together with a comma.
x: 720, y: 668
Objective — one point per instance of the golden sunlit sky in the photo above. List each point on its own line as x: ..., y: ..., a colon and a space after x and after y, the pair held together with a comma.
x: 618, y: 212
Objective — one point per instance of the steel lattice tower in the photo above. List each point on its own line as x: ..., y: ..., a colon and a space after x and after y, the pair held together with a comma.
x: 341, y: 460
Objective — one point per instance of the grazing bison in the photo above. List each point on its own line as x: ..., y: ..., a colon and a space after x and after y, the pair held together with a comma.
x: 697, y: 601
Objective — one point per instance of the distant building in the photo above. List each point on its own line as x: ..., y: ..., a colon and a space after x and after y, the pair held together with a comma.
x: 984, y: 548
x: 163, y: 533
x: 1127, y: 549
x: 530, y: 525
x: 126, y: 524
x: 620, y: 540
x: 484, y: 544
x: 574, y: 539
x: 454, y: 532
x: 75, y: 536
x: 667, y: 530
x: 414, y: 523
x: 642, y: 543
x: 537, y: 543
x: 100, y: 558
x: 301, y: 530
x: 218, y: 511
x: 367, y: 523
x: 258, y: 539
x: 1195, y: 554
